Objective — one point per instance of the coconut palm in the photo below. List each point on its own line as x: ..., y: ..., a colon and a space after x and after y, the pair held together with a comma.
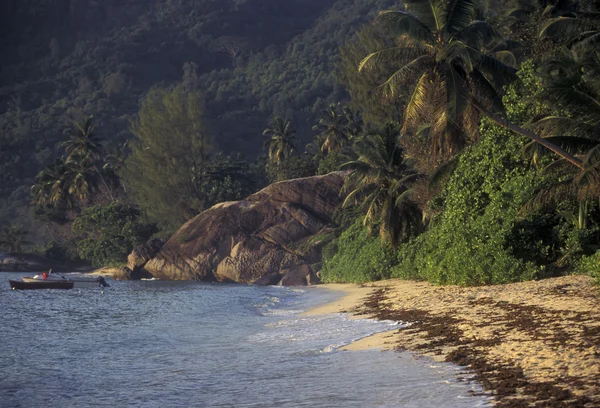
x: 81, y: 177
x: 84, y: 141
x: 442, y: 44
x: 354, y: 122
x: 331, y: 129
x: 114, y: 162
x: 280, y: 144
x: 65, y: 182
x: 336, y: 127
x: 570, y: 186
x: 87, y: 146
x: 571, y: 85
x: 51, y: 185
x: 381, y: 182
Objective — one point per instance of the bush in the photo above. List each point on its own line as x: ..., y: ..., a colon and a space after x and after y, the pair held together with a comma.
x: 473, y: 240
x: 589, y: 265
x: 107, y: 234
x: 356, y: 257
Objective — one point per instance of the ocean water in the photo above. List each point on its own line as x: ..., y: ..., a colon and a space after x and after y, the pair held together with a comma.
x: 191, y: 344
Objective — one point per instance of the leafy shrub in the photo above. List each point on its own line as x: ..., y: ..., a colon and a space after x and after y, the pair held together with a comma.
x: 472, y: 241
x: 356, y: 257
x: 589, y: 265
x: 109, y: 233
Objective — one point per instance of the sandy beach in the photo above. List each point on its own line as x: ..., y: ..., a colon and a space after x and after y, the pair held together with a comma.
x: 530, y: 344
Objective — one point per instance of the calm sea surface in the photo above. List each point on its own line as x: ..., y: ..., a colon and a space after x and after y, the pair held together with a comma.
x: 188, y: 344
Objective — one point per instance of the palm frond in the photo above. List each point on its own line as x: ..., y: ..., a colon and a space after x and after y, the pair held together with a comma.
x: 575, y: 98
x: 548, y: 196
x: 457, y: 93
x: 507, y: 58
x: 485, y: 92
x: 554, y: 125
x: 460, y: 14
x: 417, y: 102
x: 427, y: 11
x: 585, y: 41
x: 476, y: 34
x: 571, y: 144
x: 496, y: 72
x: 415, y: 67
x: 567, y: 27
x: 402, y: 23
x: 442, y: 172
x: 507, y: 45
x: 592, y: 157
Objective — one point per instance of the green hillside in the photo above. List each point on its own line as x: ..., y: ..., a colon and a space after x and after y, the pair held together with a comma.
x: 65, y: 60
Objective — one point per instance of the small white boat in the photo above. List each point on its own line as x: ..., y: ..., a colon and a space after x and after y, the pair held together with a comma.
x: 78, y: 281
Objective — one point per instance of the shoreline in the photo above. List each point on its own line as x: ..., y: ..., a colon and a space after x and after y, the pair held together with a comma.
x: 528, y: 344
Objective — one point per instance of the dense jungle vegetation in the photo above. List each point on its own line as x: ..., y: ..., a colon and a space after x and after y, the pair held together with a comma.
x: 471, y: 127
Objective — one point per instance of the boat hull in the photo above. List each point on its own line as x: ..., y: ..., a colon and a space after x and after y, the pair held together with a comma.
x: 78, y: 282
x: 41, y: 284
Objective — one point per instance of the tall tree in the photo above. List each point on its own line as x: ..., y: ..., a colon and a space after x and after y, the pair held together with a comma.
x: 84, y: 150
x: 337, y: 126
x: 84, y: 141
x: 443, y: 45
x: 171, y: 148
x: 381, y: 182
x: 281, y: 140
x: 51, y: 185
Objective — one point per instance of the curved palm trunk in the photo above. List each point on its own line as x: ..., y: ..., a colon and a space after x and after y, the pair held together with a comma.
x: 104, y: 182
x: 530, y: 135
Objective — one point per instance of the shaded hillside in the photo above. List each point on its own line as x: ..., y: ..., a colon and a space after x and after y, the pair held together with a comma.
x: 64, y: 60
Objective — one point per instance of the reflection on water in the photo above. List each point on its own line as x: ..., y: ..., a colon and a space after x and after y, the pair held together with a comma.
x: 189, y: 344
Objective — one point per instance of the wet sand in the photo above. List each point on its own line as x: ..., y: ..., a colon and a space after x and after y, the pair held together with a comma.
x: 530, y: 344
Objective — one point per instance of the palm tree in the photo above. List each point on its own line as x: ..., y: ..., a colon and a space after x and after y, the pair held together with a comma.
x: 381, y: 182
x: 65, y: 182
x: 442, y: 45
x: 51, y: 185
x: 114, y: 162
x: 87, y: 146
x: 354, y: 122
x: 84, y: 140
x: 571, y: 84
x: 335, y: 129
x: 280, y: 144
x: 80, y: 177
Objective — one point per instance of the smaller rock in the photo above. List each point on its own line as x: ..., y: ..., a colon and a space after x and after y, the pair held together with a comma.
x: 128, y: 274
x: 302, y: 275
x: 143, y: 253
x: 268, y: 279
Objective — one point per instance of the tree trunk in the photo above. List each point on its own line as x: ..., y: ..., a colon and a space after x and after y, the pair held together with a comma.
x: 104, y: 182
x: 530, y: 135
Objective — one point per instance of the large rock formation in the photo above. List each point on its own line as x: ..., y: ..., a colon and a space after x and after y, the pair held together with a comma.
x: 271, y: 237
